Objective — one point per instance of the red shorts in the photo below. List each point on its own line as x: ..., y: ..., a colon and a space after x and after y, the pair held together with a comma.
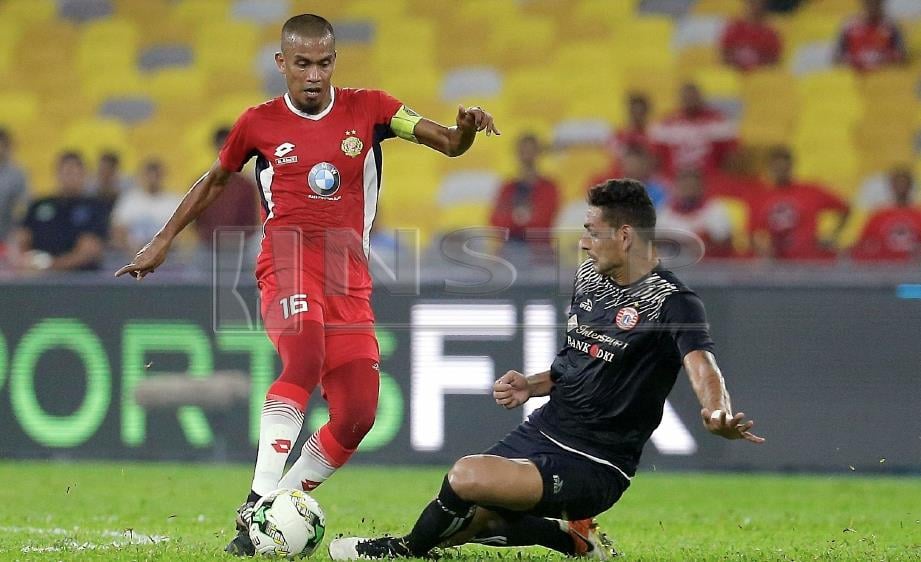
x: 291, y: 297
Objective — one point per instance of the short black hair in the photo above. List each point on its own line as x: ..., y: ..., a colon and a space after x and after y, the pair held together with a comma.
x: 780, y: 151
x: 220, y: 135
x: 71, y: 156
x: 624, y: 201
x: 110, y: 157
x: 307, y: 25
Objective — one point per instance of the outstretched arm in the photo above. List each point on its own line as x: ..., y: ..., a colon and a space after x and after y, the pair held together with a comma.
x: 710, y: 389
x: 454, y: 141
x: 202, y: 193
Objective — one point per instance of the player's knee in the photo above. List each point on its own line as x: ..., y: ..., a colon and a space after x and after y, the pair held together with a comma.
x: 465, y: 479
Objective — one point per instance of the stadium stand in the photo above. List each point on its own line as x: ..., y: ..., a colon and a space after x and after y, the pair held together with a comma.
x: 561, y: 69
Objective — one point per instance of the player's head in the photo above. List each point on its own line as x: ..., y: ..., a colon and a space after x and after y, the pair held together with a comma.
x: 6, y: 144
x: 71, y: 174
x: 620, y: 219
x: 528, y: 150
x: 638, y: 107
x: 307, y: 60
x: 152, y: 176
x: 901, y: 183
x: 780, y: 165
x: 756, y: 9
x: 874, y: 9
x: 220, y: 137
x: 692, y: 100
x: 636, y: 162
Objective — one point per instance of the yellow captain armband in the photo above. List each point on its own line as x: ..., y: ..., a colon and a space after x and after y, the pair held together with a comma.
x: 403, y: 123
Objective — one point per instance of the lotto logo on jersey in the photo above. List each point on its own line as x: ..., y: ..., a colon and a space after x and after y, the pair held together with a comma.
x: 323, y: 180
x: 626, y: 318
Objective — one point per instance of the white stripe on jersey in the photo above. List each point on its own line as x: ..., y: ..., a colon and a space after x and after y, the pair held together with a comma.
x: 371, y: 189
x: 265, y: 180
x: 586, y: 455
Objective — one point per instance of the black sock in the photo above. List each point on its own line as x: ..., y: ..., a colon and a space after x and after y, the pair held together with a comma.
x: 516, y: 529
x: 253, y: 497
x: 444, y: 516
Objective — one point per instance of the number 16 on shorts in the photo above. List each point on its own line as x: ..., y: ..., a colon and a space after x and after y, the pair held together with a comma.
x: 295, y: 304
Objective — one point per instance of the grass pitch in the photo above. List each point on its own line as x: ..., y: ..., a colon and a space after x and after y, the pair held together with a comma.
x: 128, y: 511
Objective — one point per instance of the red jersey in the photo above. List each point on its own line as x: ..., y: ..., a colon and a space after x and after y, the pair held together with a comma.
x: 868, y: 46
x: 700, y: 141
x: 790, y: 217
x: 521, y: 206
x: 747, y: 45
x: 626, y: 138
x: 319, y: 174
x: 892, y: 234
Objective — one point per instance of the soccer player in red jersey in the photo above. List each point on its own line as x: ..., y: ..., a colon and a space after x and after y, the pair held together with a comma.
x: 750, y: 42
x: 893, y: 233
x: 318, y: 169
x: 870, y: 40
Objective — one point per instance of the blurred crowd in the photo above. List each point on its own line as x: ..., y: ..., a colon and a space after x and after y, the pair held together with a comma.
x: 699, y: 174
x: 743, y: 202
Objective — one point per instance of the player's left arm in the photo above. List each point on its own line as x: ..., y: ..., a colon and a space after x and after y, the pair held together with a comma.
x: 710, y: 388
x: 454, y: 141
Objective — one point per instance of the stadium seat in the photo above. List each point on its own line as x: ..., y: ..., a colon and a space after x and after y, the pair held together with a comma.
x: 213, y: 40
x: 95, y: 52
x: 696, y: 31
x: 385, y: 12
x: 18, y: 109
x: 10, y: 32
x: 738, y: 211
x: 471, y: 81
x: 571, y: 132
x: 644, y: 43
x: 468, y: 187
x: 577, y: 167
x: 718, y: 82
x: 692, y: 59
x: 811, y: 28
x: 262, y: 12
x: 527, y: 40
x: 196, y: 13
x: 835, y: 9
x: 97, y: 87
x: 811, y: 57
x: 29, y: 12
x: 716, y: 8
x: 464, y: 215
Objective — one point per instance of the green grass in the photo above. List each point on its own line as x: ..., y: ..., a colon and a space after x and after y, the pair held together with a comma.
x: 61, y: 506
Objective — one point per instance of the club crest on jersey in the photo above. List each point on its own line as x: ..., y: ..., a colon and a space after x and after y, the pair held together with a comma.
x: 281, y: 152
x: 352, y: 145
x: 323, y: 180
x: 627, y: 318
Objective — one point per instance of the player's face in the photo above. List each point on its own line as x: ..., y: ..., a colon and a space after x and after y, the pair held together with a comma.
x: 606, y: 245
x: 308, y: 64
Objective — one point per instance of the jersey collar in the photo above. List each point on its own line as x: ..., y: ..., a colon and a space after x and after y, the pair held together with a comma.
x: 318, y: 116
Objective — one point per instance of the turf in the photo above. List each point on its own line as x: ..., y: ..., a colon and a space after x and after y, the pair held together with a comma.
x: 125, y: 511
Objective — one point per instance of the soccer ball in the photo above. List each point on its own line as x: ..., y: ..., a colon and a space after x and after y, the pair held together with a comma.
x: 287, y: 524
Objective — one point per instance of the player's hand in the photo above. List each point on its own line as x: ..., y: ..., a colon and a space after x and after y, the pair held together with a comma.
x: 719, y: 423
x: 475, y: 119
x: 511, y: 390
x: 147, y: 260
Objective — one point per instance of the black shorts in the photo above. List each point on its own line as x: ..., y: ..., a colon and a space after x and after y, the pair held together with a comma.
x: 575, y: 487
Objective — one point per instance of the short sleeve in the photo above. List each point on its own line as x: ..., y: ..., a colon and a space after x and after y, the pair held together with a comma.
x: 386, y: 106
x: 100, y: 223
x: 684, y: 318
x: 238, y: 148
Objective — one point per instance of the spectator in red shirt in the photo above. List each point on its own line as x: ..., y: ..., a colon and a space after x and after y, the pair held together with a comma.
x: 527, y: 203
x: 636, y: 132
x: 871, y: 40
x: 785, y: 220
x: 893, y: 233
x: 749, y: 42
x: 692, y: 211
x: 236, y: 208
x: 696, y: 136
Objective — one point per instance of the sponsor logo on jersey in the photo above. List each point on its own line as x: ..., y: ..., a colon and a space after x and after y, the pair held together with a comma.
x: 586, y: 305
x: 572, y: 324
x: 323, y: 180
x: 280, y: 152
x: 351, y: 144
x: 604, y: 339
x: 592, y: 350
x: 557, y: 484
x: 626, y: 318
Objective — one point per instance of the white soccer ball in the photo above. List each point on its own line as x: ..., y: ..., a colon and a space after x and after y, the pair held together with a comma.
x: 287, y: 524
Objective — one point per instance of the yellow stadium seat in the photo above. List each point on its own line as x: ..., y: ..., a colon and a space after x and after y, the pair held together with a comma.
x: 10, y: 33
x: 661, y: 86
x: 216, y: 39
x: 142, y: 11
x: 764, y: 131
x: 458, y: 32
x: 691, y: 59
x: 836, y: 166
x: 718, y: 81
x: 200, y: 12
x: 738, y: 211
x: 579, y: 167
x: 18, y: 109
x: 613, y: 12
x: 390, y: 11
x: 888, y: 82
x: 115, y: 82
x: 106, y: 44
x: 830, y: 8
x: 526, y: 41
x: 355, y: 66
x: 810, y: 28
x: 28, y: 12
x: 590, y: 72
x: 644, y: 42
x: 176, y: 85
x: 92, y: 137
x: 407, y: 43
x: 456, y: 217
x: 828, y: 222
x: 532, y: 92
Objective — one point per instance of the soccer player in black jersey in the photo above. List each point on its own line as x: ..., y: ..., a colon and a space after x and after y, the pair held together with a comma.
x: 632, y: 325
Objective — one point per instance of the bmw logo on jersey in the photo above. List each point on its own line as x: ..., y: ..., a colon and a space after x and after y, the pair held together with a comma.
x: 323, y: 180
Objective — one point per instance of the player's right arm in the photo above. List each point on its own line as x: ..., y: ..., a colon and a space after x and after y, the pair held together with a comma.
x: 514, y: 389
x: 202, y: 193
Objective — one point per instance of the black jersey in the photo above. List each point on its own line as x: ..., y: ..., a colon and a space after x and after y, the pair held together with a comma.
x: 624, y: 348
